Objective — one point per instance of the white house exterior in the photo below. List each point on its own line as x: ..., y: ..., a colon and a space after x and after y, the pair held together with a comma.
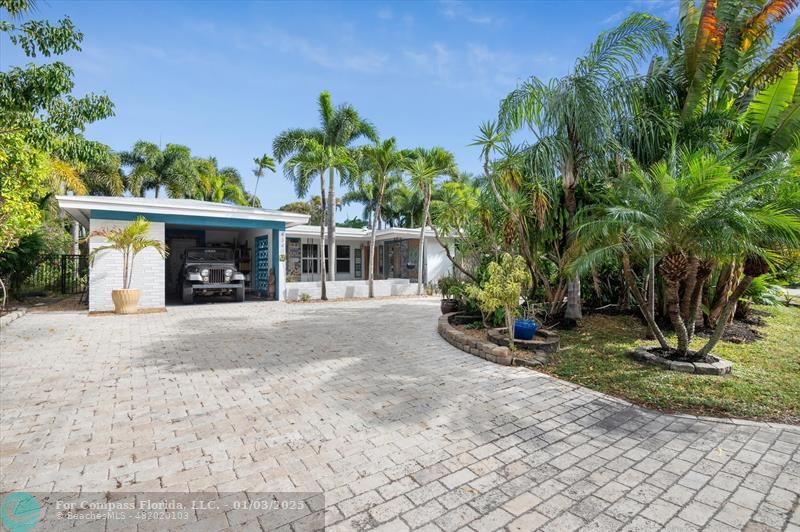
x: 395, y: 269
x: 275, y: 250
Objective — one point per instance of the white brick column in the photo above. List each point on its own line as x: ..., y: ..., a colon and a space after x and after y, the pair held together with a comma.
x: 105, y: 273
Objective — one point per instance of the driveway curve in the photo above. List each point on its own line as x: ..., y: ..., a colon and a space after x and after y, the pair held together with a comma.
x: 363, y: 401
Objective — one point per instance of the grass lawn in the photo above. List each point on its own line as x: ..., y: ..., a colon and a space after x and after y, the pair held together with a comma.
x: 765, y: 384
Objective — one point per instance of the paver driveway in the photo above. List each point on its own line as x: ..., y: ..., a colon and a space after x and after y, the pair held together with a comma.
x: 364, y: 401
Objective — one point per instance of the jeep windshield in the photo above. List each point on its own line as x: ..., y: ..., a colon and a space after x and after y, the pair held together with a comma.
x: 209, y: 255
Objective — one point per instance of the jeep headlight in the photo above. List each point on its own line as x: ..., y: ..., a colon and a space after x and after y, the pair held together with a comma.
x: 204, y: 273
x: 228, y: 272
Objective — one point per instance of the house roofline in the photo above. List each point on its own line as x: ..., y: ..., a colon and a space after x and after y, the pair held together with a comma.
x: 80, y: 207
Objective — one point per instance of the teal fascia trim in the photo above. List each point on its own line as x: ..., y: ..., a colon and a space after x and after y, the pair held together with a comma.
x: 276, y: 260
x: 180, y: 219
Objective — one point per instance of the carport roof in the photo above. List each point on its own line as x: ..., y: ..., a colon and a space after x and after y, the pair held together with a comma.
x: 81, y: 207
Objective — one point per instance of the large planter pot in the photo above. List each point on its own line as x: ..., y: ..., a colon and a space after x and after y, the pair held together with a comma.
x: 449, y: 305
x: 524, y: 329
x: 126, y: 301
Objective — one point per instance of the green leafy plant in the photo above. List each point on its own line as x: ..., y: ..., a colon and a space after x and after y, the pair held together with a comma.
x: 305, y: 297
x: 128, y: 240
x: 503, y: 290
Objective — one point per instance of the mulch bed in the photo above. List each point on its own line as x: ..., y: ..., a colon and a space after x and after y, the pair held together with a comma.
x: 741, y: 331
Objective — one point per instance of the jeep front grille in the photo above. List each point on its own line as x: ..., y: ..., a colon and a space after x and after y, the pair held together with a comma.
x: 216, y: 275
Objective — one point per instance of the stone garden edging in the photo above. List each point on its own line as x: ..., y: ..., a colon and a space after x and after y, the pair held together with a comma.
x: 6, y: 320
x: 486, y: 350
x: 720, y: 367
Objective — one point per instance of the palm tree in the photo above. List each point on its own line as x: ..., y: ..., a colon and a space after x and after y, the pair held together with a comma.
x: 265, y: 162
x: 380, y: 162
x: 153, y: 168
x: 339, y: 127
x: 403, y: 205
x: 691, y: 209
x: 570, y: 117
x: 220, y: 186
x: 312, y: 159
x: 452, y: 214
x: 424, y: 167
x: 128, y: 240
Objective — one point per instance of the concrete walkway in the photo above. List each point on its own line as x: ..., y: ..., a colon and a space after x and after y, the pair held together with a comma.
x: 364, y: 401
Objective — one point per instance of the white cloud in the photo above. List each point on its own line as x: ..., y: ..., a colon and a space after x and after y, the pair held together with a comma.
x: 384, y: 13
x: 666, y: 9
x: 457, y: 9
x: 360, y: 60
x: 476, y: 66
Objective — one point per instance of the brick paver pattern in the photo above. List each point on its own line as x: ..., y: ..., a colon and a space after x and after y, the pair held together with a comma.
x: 364, y: 401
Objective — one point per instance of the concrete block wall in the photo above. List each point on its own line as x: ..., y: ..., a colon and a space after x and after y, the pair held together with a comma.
x: 348, y: 289
x: 105, y: 273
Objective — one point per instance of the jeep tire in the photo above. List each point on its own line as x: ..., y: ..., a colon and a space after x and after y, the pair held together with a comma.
x: 187, y: 294
x: 238, y: 293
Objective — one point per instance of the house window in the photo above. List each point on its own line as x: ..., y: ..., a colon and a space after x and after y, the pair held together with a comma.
x: 343, y: 259
x: 310, y: 258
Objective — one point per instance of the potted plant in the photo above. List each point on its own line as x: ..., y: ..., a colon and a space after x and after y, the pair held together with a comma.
x: 449, y: 286
x: 503, y: 289
x: 525, y: 326
x: 129, y: 241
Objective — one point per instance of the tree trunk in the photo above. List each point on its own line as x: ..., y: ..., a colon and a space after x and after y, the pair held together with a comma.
x: 727, y: 312
x: 450, y: 256
x: 322, y: 272
x: 510, y: 326
x: 372, y: 246
x: 674, y: 312
x: 420, y: 261
x: 573, y: 311
x: 76, y: 237
x: 643, y: 305
x: 721, y: 293
x: 688, y: 288
x: 331, y: 222
x: 694, y: 304
x: 651, y: 284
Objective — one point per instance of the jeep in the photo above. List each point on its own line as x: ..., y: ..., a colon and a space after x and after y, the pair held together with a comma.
x: 210, y: 271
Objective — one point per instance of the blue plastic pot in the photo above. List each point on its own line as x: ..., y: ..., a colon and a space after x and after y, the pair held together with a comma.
x: 524, y: 329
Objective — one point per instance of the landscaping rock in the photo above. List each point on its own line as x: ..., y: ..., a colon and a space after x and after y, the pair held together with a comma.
x: 685, y: 367
x: 645, y: 355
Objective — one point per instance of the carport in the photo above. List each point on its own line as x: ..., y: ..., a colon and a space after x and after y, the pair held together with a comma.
x: 255, y: 237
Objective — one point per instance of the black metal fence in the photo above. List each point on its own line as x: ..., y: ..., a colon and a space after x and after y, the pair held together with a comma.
x: 67, y: 274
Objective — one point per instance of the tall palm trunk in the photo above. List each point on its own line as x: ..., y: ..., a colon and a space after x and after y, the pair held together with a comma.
x: 573, y: 311
x: 322, y: 273
x: 372, y: 253
x: 420, y: 260
x: 76, y: 237
x: 331, y: 222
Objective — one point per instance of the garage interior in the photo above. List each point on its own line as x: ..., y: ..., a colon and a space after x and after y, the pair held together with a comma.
x: 242, y: 242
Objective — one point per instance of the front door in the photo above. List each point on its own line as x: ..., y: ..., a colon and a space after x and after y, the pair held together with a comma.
x: 262, y: 265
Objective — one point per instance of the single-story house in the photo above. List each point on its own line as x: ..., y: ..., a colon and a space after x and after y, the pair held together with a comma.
x: 276, y: 250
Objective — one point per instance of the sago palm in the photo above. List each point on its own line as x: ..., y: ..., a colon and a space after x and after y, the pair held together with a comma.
x: 688, y: 213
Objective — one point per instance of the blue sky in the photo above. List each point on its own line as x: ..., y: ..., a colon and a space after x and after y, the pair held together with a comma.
x: 225, y: 77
